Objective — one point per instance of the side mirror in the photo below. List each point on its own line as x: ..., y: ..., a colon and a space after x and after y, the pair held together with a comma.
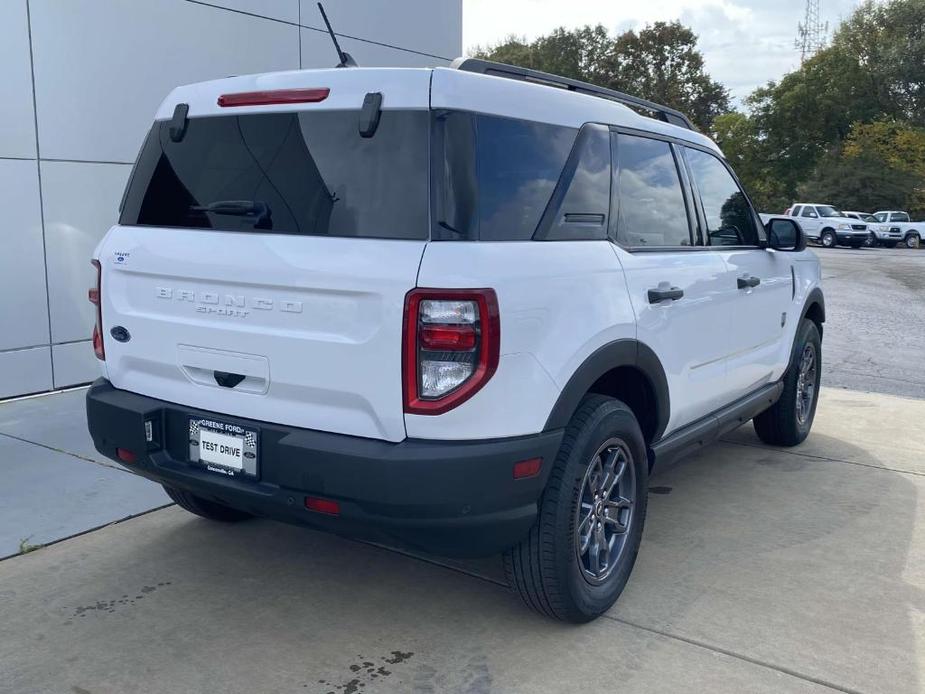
x: 785, y: 235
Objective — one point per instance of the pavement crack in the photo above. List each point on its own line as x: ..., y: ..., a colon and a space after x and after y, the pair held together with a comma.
x: 738, y: 656
x: 825, y: 458
x: 64, y: 452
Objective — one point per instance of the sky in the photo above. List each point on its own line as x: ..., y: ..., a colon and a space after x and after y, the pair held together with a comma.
x: 745, y: 43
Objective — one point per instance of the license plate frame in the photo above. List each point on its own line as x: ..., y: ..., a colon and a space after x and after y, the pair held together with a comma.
x: 249, y: 440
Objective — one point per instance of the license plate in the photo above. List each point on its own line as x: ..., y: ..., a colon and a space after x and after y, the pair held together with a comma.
x: 225, y: 448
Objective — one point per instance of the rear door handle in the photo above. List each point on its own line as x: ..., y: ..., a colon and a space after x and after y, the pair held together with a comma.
x: 664, y: 292
x: 748, y: 281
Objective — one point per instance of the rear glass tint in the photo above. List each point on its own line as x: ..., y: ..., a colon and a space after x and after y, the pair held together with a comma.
x: 498, y: 175
x: 307, y: 173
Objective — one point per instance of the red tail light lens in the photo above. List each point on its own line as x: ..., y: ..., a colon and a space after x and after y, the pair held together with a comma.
x: 276, y: 96
x: 452, y: 343
x: 95, y: 295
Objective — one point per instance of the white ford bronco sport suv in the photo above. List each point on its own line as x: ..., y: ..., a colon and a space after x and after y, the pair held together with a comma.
x: 462, y: 309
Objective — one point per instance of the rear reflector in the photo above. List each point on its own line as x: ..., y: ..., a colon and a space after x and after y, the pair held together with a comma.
x: 314, y: 503
x: 125, y: 455
x: 527, y: 468
x: 276, y: 96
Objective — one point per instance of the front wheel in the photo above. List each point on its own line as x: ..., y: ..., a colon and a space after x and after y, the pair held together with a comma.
x: 912, y: 241
x: 828, y: 239
x: 871, y: 241
x: 788, y: 421
x: 578, y: 556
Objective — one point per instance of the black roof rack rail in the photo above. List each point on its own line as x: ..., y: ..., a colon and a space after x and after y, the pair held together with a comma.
x: 487, y: 67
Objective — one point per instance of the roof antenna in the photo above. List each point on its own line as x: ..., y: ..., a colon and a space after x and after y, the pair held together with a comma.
x: 346, y: 60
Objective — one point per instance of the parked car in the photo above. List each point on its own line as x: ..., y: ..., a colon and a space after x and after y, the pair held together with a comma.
x: 880, y: 234
x: 829, y: 226
x: 911, y: 232
x: 443, y: 308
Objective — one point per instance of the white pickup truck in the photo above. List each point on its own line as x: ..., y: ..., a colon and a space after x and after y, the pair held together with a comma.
x: 828, y: 225
x: 888, y: 235
x: 911, y: 232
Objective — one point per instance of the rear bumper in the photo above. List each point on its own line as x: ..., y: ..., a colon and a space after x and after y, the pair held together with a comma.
x: 457, y: 498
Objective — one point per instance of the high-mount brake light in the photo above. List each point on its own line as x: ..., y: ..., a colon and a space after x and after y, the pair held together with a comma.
x: 95, y: 295
x: 274, y: 96
x: 451, y: 347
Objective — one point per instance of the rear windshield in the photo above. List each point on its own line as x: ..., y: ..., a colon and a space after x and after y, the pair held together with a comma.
x: 307, y: 173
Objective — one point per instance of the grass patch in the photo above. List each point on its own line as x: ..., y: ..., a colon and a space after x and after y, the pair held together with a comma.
x: 25, y: 547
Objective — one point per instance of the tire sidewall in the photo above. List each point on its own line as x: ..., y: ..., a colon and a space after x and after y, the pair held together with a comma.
x: 808, y: 332
x: 828, y: 240
x: 610, y: 420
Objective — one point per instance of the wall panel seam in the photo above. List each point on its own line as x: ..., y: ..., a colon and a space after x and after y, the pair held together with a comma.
x: 38, y: 168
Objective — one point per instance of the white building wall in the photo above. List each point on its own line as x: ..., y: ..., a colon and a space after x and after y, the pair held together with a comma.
x: 80, y: 81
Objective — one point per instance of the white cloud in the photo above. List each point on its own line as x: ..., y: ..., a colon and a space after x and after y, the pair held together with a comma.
x: 745, y: 42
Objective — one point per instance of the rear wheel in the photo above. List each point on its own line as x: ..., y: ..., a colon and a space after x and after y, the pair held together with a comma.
x: 912, y: 241
x: 578, y: 556
x: 828, y: 239
x: 789, y: 420
x: 205, y: 508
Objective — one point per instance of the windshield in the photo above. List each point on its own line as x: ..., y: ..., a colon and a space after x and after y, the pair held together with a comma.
x: 828, y: 211
x: 868, y: 217
x: 307, y: 173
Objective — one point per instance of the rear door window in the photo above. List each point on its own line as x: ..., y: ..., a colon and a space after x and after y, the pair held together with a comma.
x: 650, y: 208
x: 307, y: 173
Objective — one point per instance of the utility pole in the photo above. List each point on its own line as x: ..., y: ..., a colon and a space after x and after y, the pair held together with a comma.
x: 811, y: 32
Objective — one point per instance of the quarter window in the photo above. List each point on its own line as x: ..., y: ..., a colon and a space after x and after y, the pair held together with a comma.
x: 730, y: 220
x: 651, y: 208
x: 498, y: 175
x: 809, y: 211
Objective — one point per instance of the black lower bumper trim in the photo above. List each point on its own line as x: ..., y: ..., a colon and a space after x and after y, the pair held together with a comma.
x: 457, y: 498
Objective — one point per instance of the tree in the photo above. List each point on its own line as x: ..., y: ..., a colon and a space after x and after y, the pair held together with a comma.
x: 660, y: 63
x: 862, y: 182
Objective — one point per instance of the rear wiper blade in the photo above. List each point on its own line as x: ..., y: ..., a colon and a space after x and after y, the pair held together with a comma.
x: 239, y: 208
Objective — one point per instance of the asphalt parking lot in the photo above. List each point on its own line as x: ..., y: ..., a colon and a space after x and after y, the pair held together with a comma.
x: 762, y: 570
x: 875, y: 306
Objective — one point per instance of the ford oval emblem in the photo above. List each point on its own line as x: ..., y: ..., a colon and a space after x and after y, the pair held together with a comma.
x: 120, y: 334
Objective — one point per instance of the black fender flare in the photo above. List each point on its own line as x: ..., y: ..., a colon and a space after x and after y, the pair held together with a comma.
x: 625, y: 352
x: 815, y: 297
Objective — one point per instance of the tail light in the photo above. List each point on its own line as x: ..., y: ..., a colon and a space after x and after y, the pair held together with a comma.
x: 95, y: 297
x: 452, y: 341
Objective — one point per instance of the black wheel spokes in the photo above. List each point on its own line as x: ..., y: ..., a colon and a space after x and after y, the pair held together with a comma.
x: 605, y: 510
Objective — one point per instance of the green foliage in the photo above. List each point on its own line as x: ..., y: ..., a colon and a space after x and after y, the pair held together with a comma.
x: 842, y: 128
x: 846, y: 127
x: 660, y: 63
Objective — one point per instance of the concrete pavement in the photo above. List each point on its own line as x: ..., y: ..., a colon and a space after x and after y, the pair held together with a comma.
x: 762, y: 570
x: 53, y: 483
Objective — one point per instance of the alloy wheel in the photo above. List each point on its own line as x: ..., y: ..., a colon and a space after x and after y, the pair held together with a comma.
x: 605, y: 511
x: 806, y: 383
